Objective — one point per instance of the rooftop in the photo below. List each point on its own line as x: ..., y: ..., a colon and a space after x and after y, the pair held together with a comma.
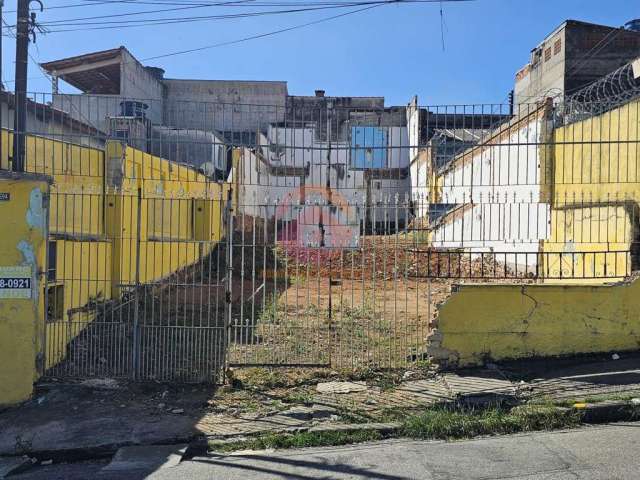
x: 97, y: 72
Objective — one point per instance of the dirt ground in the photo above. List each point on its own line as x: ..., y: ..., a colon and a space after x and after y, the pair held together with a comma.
x: 340, y: 323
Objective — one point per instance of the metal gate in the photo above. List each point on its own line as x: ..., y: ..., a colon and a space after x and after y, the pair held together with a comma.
x: 150, y: 295
x: 317, y: 232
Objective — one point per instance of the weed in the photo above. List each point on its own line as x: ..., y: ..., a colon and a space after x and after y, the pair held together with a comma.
x: 301, y: 440
x: 303, y: 397
x: 448, y: 424
x: 261, y: 378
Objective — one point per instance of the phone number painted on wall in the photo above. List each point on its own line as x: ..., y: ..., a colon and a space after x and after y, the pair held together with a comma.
x: 15, y: 282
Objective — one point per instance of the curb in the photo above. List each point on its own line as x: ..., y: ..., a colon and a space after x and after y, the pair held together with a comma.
x: 386, y: 429
x: 97, y: 451
x: 608, y: 411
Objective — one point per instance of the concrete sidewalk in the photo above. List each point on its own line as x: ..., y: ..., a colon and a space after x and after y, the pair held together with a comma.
x: 95, y: 417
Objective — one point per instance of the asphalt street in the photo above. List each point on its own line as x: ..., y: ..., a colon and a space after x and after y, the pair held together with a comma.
x: 604, y: 452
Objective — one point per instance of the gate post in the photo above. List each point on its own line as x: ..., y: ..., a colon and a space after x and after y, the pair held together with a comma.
x: 24, y: 212
x: 136, y: 307
x: 229, y: 276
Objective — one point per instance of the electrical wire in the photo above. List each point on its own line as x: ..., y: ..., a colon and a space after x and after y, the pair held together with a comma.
x: 607, y: 39
x: 106, y: 25
x: 271, y: 33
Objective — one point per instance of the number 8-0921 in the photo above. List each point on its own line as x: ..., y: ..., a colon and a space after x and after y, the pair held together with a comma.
x: 15, y: 283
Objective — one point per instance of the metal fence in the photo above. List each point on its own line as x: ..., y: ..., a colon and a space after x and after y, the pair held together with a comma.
x: 187, y: 236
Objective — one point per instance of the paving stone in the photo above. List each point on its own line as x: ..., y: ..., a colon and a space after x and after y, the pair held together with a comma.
x: 299, y: 413
x: 146, y: 458
x: 568, y: 387
x: 473, y: 385
x: 225, y: 426
x: 341, y: 387
x: 320, y: 412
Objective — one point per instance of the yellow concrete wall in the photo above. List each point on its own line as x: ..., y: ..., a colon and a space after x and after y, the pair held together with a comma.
x: 598, y: 159
x: 481, y: 323
x: 179, y: 209
x: 595, y: 193
x: 78, y: 181
x: 22, y: 243
x: 83, y: 270
x: 6, y: 149
x: 592, y: 242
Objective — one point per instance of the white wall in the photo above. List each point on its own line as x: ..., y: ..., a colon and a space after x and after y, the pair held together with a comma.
x: 297, y: 147
x: 506, y: 165
x: 419, y: 173
x: 497, y: 187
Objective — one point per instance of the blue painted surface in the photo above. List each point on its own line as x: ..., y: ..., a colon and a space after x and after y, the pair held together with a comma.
x: 368, y: 147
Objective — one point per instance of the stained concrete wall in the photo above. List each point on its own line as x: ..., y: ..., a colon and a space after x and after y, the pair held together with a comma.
x: 223, y: 105
x: 592, y: 243
x: 22, y: 246
x: 481, y: 323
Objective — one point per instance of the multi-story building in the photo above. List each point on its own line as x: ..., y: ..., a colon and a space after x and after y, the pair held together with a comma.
x: 574, y: 55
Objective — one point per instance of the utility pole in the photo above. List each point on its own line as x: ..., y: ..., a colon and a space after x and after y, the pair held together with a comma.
x: 1, y: 32
x: 25, y: 26
x: 1, y: 83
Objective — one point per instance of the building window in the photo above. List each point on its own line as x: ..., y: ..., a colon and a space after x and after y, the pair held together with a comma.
x: 557, y: 46
x: 52, y: 260
x: 55, y: 303
x: 368, y: 147
x: 547, y: 54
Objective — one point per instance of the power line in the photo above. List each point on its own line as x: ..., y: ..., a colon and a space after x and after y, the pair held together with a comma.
x: 44, y: 74
x: 597, y: 48
x: 153, y: 21
x: 102, y: 25
x: 369, y: 5
x: 86, y: 4
x: 276, y: 32
x: 130, y: 14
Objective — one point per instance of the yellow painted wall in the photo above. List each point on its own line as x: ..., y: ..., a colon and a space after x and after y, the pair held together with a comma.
x: 21, y: 319
x: 180, y: 214
x: 497, y: 322
x: 83, y: 270
x: 595, y: 193
x: 6, y: 149
x: 598, y: 159
x: 593, y: 242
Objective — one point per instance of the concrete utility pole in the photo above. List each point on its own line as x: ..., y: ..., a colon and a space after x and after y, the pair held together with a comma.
x: 1, y: 82
x: 25, y: 26
x: 22, y: 58
x: 1, y: 30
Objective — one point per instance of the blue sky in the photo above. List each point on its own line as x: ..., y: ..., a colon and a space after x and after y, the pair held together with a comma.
x: 393, y: 51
